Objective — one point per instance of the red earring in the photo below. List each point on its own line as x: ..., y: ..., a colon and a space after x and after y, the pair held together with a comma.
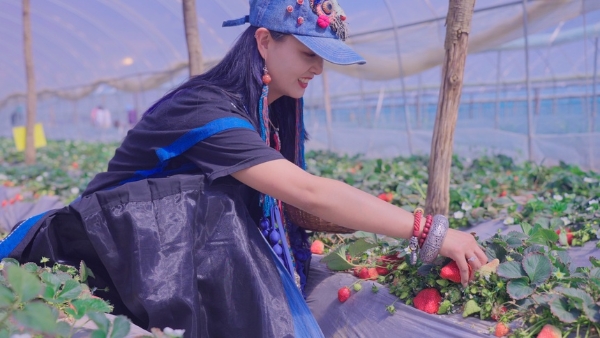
x: 266, y: 78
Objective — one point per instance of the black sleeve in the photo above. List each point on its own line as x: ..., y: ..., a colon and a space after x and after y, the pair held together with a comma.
x: 226, y: 152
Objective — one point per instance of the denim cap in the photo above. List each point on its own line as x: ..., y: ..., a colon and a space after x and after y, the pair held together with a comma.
x: 318, y: 24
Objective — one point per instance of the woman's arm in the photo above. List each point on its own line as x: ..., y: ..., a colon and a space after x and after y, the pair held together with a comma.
x: 342, y: 204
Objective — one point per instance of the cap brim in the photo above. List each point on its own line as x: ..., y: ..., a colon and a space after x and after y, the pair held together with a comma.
x: 332, y: 50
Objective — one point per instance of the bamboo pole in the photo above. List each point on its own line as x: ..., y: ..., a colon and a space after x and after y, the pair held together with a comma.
x: 530, y: 130
x: 458, y: 26
x: 31, y: 91
x: 190, y: 21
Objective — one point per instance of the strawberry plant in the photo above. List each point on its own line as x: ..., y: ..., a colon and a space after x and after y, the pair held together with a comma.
x: 51, y: 301
x: 529, y: 281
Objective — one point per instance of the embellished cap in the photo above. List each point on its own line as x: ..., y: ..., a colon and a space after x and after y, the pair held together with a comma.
x: 318, y: 24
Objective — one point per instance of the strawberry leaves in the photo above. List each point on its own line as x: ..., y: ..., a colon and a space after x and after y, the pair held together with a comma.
x: 525, y: 276
x: 336, y: 260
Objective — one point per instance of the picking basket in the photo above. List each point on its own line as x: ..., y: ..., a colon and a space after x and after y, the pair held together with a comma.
x: 311, y: 222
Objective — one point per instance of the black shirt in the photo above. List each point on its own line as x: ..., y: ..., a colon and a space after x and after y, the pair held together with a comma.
x: 177, y: 117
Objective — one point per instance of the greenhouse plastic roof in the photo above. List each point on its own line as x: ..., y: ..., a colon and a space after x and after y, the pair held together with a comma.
x: 77, y: 43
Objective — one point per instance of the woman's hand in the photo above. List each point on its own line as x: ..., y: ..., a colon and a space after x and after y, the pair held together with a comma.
x: 464, y: 250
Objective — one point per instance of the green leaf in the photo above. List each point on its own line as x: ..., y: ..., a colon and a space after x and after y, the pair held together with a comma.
x: 442, y: 282
x: 121, y: 327
x: 519, y: 288
x: 511, y: 270
x: 99, y: 334
x: 542, y: 236
x: 543, y: 298
x: 495, y: 250
x: 25, y: 285
x: 471, y: 307
x: 336, y: 260
x: 560, y: 308
x: 563, y: 257
x: 339, y: 250
x: 51, y: 280
x: 31, y: 267
x: 538, y: 268
x: 363, y: 234
x: 100, y: 320
x: 595, y: 262
x: 582, y: 301
x: 526, y: 227
x: 514, y: 242
x: 445, y: 306
x: 37, y: 316
x: 87, y: 305
x: 517, y: 234
x: 63, y: 329
x: 7, y: 297
x: 360, y: 246
x: 10, y: 261
x: 70, y: 290
x: 83, y: 271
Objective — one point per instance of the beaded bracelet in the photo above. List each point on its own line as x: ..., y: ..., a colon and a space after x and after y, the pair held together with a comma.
x: 428, y: 221
x: 435, y: 237
x: 413, y: 245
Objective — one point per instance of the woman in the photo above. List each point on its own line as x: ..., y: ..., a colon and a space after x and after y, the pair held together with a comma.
x: 186, y: 227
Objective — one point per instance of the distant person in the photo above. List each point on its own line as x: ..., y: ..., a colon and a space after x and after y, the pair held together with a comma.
x: 94, y: 116
x: 17, y: 118
x: 103, y: 118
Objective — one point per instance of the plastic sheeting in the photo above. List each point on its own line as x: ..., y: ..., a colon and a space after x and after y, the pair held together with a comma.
x: 125, y: 44
x: 364, y: 313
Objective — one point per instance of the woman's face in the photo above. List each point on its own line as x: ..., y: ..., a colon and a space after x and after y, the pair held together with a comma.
x: 291, y: 66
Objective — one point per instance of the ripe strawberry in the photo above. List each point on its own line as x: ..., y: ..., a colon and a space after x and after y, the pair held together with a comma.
x: 4, y: 203
x: 19, y: 197
x: 428, y: 300
x: 549, y: 331
x: 503, y: 193
x: 501, y: 330
x: 452, y: 273
x: 363, y: 273
x: 75, y: 165
x: 569, y: 235
x: 343, y: 294
x: 373, y: 274
x: 386, y: 196
x: 382, y: 271
x: 317, y: 247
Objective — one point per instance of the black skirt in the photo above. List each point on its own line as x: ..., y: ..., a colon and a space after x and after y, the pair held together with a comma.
x: 173, y: 252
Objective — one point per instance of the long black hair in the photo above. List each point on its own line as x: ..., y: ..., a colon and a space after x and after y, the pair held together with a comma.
x: 239, y: 75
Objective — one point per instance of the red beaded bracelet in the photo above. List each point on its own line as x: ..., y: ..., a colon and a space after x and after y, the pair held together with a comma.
x: 428, y: 221
x: 417, y: 222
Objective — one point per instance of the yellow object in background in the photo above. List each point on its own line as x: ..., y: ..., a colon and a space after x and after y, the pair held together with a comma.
x: 39, y: 138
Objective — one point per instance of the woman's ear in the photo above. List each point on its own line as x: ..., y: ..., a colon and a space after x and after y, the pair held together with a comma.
x: 263, y: 38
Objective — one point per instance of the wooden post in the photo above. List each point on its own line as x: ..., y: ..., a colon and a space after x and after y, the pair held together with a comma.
x: 458, y: 26
x: 192, y: 37
x: 31, y: 91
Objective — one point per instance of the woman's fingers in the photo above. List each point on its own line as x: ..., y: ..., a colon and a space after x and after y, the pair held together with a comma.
x: 463, y: 267
x: 465, y: 251
x: 483, y: 259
